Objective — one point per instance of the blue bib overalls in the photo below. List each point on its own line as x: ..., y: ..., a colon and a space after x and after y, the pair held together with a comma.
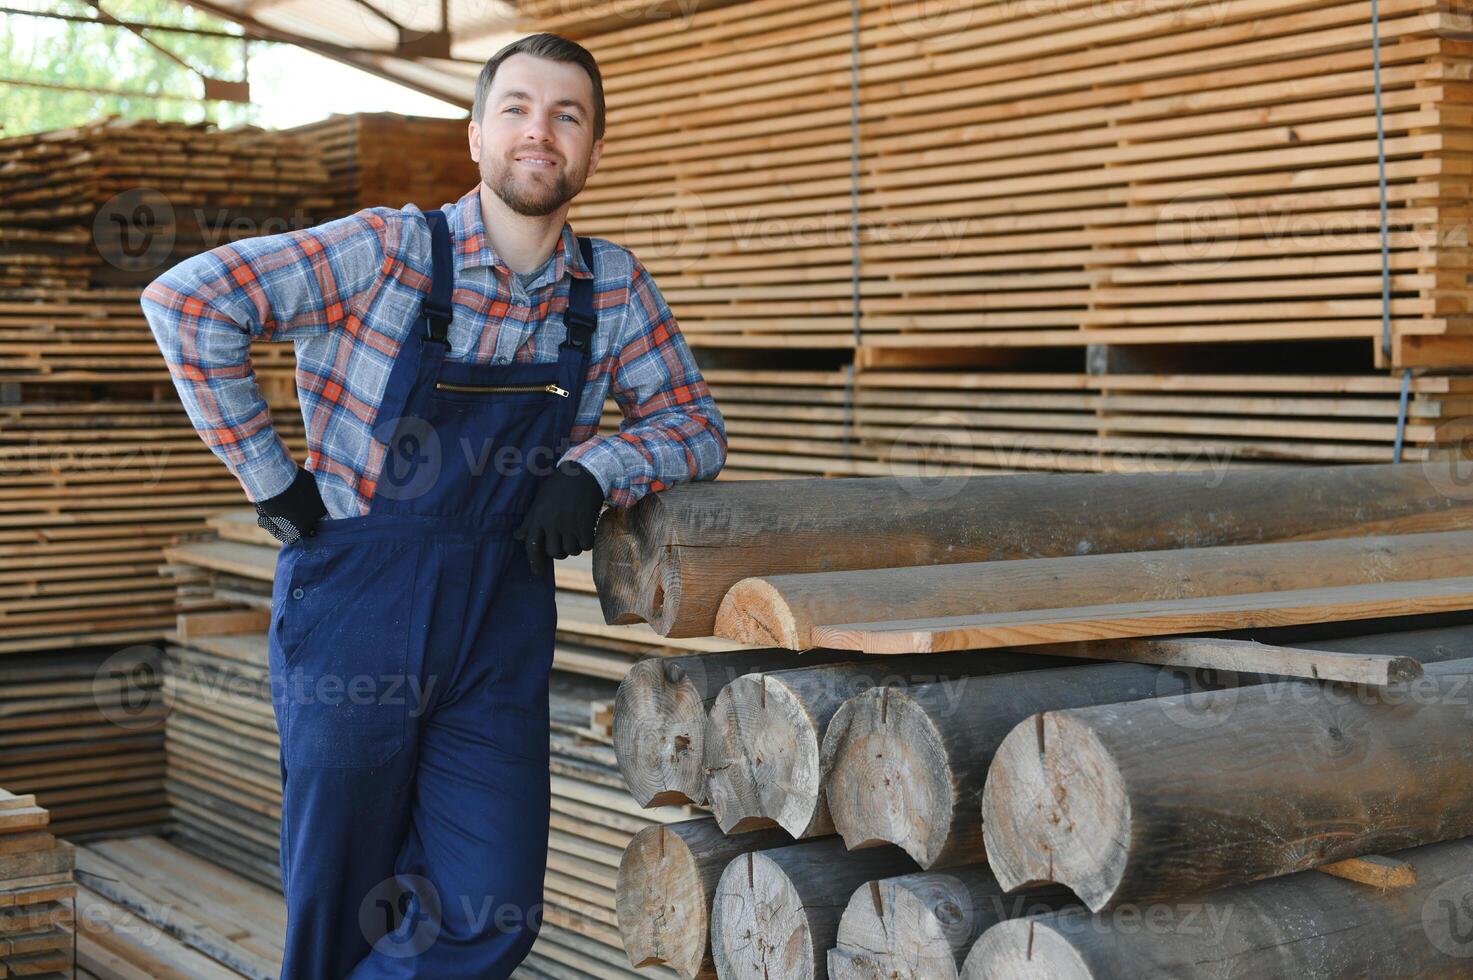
x: 409, y: 656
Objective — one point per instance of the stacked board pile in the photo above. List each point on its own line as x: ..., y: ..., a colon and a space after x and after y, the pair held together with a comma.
x: 936, y: 769
x: 100, y: 468
x: 223, y: 771
x: 36, y: 892
x: 1186, y: 197
x: 383, y: 159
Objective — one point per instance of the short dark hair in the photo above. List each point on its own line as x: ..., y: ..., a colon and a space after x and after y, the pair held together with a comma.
x: 554, y: 48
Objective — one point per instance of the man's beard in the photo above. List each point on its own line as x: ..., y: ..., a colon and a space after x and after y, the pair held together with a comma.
x: 528, y: 196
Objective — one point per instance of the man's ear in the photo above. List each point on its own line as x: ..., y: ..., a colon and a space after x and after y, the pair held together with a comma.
x: 595, y: 155
x: 473, y: 134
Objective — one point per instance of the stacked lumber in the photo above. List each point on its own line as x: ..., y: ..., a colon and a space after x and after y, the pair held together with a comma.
x: 148, y: 909
x: 36, y: 892
x: 92, y: 490
x: 384, y: 159
x: 902, y: 793
x: 93, y: 214
x: 1132, y: 176
x: 82, y: 731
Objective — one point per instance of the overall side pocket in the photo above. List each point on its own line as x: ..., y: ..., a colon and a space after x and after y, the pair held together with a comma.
x: 343, y: 637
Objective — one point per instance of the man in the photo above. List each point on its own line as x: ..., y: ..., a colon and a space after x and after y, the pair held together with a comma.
x: 412, y: 612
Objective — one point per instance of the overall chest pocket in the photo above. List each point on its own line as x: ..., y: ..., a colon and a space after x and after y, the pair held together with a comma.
x: 344, y: 657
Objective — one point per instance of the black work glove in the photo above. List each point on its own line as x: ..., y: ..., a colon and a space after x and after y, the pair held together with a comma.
x: 562, y: 517
x: 294, y: 512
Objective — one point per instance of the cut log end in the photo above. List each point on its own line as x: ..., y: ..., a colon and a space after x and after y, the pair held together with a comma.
x: 887, y: 779
x: 658, y: 921
x: 755, y: 612
x: 761, y: 758
x: 1022, y: 949
x: 1055, y: 809
x: 758, y: 926
x: 658, y: 732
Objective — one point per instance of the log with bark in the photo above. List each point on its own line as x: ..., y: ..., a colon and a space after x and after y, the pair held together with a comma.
x: 1308, y: 925
x: 1148, y: 801
x: 670, y: 559
x: 937, y: 741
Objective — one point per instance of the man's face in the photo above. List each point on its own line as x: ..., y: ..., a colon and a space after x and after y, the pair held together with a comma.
x: 534, y: 145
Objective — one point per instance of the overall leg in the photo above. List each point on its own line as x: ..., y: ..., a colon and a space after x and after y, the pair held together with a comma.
x: 345, y: 639
x: 477, y: 851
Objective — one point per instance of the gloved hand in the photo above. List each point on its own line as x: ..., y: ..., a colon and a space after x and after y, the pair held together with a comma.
x: 562, y: 517
x: 294, y: 512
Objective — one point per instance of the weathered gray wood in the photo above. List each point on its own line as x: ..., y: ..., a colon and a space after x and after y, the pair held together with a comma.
x: 785, y: 610
x: 765, y: 731
x: 937, y: 741
x: 667, y: 882
x: 1308, y: 925
x: 670, y: 559
x: 1219, y: 653
x: 1149, y: 801
x: 660, y: 710
x: 777, y: 912
x: 923, y: 925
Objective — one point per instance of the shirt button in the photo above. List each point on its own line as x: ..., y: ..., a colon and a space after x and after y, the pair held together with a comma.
x: 297, y: 593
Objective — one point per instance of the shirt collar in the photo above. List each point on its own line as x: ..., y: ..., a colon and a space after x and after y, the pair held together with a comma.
x: 473, y: 248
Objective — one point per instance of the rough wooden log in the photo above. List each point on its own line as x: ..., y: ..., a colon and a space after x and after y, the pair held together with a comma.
x: 784, y: 610
x: 765, y: 731
x: 670, y: 559
x: 660, y: 709
x: 667, y: 882
x: 937, y: 741
x: 1146, y: 802
x: 777, y: 912
x: 1307, y: 925
x: 922, y: 925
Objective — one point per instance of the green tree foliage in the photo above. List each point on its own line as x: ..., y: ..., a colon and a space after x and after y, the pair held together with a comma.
x: 96, y: 56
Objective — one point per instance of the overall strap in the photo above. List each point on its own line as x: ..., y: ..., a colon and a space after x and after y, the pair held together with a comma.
x: 579, y: 316
x: 437, y: 310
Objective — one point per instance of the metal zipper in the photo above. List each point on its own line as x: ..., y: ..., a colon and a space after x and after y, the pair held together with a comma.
x: 551, y: 389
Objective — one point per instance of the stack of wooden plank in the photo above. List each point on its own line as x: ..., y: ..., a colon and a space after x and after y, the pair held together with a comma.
x: 83, y: 731
x: 1162, y: 175
x: 384, y: 159
x: 904, y: 794
x: 36, y: 892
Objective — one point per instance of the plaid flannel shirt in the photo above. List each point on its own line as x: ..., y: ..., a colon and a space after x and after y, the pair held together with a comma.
x: 347, y: 294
